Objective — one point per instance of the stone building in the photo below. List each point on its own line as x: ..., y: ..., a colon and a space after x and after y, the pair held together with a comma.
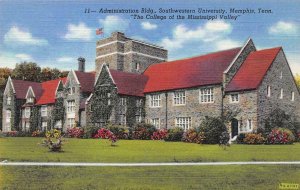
x: 134, y: 83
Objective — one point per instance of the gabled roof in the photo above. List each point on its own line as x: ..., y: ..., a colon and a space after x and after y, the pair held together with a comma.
x: 21, y: 87
x: 129, y: 83
x: 253, y: 70
x: 48, y: 89
x: 86, y: 80
x: 186, y: 73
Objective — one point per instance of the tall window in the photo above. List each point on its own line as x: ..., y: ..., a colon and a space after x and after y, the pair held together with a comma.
x: 183, y: 122
x: 139, y: 103
x: 108, y: 98
x: 71, y: 106
x: 269, y: 91
x: 179, y: 98
x: 156, y: 123
x: 8, y: 100
x: 71, y: 122
x: 206, y: 95
x: 44, y: 125
x: 8, y: 116
x: 234, y: 98
x: 155, y: 100
x: 44, y: 111
x: 281, y: 94
x: 249, y: 124
x: 27, y: 112
x: 123, y: 101
x: 137, y: 66
x: 293, y: 96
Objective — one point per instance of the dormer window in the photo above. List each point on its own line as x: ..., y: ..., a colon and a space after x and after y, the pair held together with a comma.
x: 137, y: 66
x: 8, y: 100
x: 234, y: 98
x: 30, y: 100
x: 71, y: 90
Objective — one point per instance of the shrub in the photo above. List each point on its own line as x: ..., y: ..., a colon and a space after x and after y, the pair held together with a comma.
x: 106, y: 134
x: 224, y: 139
x: 193, y: 136
x: 281, y: 136
x: 253, y: 138
x: 174, y: 134
x: 53, y: 140
x: 212, y: 128
x: 120, y: 131
x: 143, y: 131
x: 161, y: 134
x: 240, y: 138
x: 89, y: 131
x: 37, y: 133
x: 11, y: 134
x: 75, y: 132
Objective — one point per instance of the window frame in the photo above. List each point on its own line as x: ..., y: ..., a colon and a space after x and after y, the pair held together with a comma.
x: 206, y: 97
x: 44, y: 127
x: 8, y: 116
x: 156, y: 122
x: 293, y: 96
x: 155, y: 100
x: 8, y: 100
x: 281, y: 94
x: 71, y: 124
x: 183, y: 122
x: 44, y: 111
x: 234, y: 100
x: 268, y: 91
x: 27, y: 112
x: 70, y: 106
x: 179, y: 98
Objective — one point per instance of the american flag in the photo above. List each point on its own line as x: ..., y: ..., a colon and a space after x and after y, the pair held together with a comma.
x: 99, y: 31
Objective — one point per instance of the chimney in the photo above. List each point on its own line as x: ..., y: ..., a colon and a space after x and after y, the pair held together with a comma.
x: 81, y: 64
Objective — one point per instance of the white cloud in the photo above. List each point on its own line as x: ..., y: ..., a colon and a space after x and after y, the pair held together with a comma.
x: 79, y: 32
x: 65, y: 59
x: 283, y: 28
x: 17, y: 36
x: 182, y: 35
x: 148, y: 26
x: 9, y: 59
x: 227, y: 44
x: 113, y: 23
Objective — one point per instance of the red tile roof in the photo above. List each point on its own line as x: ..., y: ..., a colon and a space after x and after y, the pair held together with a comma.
x: 197, y: 71
x: 48, y: 91
x: 129, y: 83
x: 86, y: 80
x: 21, y: 87
x: 253, y: 70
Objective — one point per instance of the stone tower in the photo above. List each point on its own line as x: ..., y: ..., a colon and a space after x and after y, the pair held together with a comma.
x: 81, y: 64
x: 125, y: 54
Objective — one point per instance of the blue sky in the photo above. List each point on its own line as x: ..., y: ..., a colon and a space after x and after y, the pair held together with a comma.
x: 56, y: 33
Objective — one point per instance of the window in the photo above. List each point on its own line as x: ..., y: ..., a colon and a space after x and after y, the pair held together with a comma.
x: 71, y: 106
x: 71, y: 122
x: 8, y: 116
x: 234, y: 98
x: 249, y: 124
x: 44, y: 125
x: 44, y: 111
x: 30, y: 100
x: 269, y: 91
x: 156, y: 123
x: 139, y: 103
x: 138, y: 118
x: 206, y: 95
x: 280, y: 75
x: 108, y: 98
x: 179, y: 98
x: 123, y: 119
x: 281, y: 94
x: 71, y: 90
x: 183, y: 122
x: 8, y: 100
x: 137, y: 66
x: 293, y: 96
x: 58, y: 124
x: 123, y: 101
x: 27, y: 112
x: 59, y: 94
x: 155, y: 100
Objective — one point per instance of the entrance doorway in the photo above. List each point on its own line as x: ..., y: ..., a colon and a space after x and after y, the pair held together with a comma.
x: 234, y: 127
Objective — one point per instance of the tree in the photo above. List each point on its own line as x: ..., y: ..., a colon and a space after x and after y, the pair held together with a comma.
x: 297, y: 79
x: 27, y: 71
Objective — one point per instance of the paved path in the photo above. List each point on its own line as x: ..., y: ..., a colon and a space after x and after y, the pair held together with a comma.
x: 5, y: 163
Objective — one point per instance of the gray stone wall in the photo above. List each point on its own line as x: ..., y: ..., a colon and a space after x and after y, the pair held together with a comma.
x: 272, y: 78
x: 245, y: 108
x: 249, y: 47
x: 12, y: 107
x: 193, y: 108
x: 122, y: 54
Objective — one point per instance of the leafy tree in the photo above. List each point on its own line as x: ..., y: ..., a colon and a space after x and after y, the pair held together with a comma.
x: 27, y: 71
x: 297, y: 79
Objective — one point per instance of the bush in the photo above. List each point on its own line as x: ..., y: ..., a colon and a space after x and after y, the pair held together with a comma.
x: 212, y: 128
x: 143, y: 131
x: 224, y: 139
x: 120, y: 131
x: 11, y: 134
x: 75, y: 132
x: 253, y: 138
x: 161, y: 134
x: 240, y: 138
x: 106, y: 134
x: 174, y: 134
x: 281, y: 136
x: 89, y: 131
x: 38, y: 133
x: 53, y: 140
x: 193, y: 136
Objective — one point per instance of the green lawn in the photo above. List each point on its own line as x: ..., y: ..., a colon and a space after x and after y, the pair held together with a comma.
x: 93, y: 150
x: 182, y: 177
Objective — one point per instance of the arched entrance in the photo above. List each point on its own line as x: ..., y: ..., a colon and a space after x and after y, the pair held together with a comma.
x: 234, y: 127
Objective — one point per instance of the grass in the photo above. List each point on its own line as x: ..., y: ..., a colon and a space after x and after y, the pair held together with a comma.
x: 93, y: 150
x: 195, y: 177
